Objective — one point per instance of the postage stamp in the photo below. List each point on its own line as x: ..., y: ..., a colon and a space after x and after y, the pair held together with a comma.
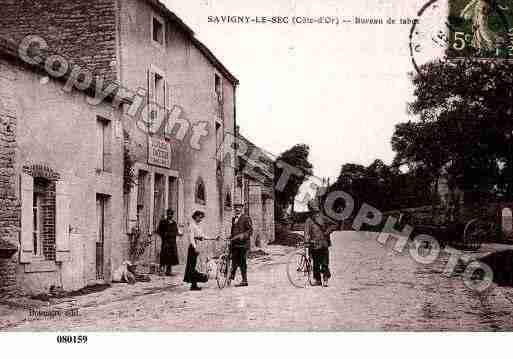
x: 462, y: 28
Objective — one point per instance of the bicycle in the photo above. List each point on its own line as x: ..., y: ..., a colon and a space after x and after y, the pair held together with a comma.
x: 223, y: 267
x: 300, y: 266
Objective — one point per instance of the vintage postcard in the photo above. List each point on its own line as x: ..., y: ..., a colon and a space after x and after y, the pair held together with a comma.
x: 286, y: 165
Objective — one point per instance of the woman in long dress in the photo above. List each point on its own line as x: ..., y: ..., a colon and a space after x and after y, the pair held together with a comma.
x: 196, y: 235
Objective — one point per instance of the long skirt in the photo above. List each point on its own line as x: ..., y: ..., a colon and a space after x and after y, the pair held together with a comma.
x: 190, y: 268
x: 169, y: 252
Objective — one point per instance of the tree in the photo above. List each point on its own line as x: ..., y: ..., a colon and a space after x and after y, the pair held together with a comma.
x: 297, y: 158
x: 465, y: 109
x: 373, y: 184
x: 423, y: 148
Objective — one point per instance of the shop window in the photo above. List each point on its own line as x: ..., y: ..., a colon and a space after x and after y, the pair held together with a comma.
x: 200, y: 192
x: 159, y: 199
x: 141, y: 196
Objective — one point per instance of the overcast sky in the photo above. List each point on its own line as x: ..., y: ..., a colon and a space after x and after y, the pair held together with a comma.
x: 339, y: 89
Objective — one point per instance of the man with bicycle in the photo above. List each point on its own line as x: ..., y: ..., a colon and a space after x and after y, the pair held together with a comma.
x: 317, y: 238
x: 240, y: 242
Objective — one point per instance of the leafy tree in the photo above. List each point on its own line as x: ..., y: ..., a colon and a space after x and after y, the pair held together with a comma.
x: 465, y: 109
x: 296, y: 158
x: 423, y: 148
x: 372, y: 184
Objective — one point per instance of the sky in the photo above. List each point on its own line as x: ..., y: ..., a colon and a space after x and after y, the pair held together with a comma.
x: 339, y: 89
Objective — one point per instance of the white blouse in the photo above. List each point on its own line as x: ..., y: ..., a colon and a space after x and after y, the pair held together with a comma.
x: 195, y: 231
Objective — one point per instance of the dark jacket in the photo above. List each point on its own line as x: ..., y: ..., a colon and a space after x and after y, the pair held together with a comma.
x: 168, y: 230
x: 317, y: 234
x: 243, y: 226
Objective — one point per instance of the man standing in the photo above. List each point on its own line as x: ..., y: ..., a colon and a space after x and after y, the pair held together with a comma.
x: 242, y: 229
x: 168, y: 230
x: 317, y: 236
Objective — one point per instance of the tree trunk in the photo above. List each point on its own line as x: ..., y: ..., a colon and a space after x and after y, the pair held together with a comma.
x: 434, y: 197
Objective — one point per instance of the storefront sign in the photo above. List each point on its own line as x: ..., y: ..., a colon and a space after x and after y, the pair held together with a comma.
x: 159, y: 153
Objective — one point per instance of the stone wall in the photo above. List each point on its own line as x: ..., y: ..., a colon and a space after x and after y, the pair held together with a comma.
x: 83, y: 31
x: 9, y: 205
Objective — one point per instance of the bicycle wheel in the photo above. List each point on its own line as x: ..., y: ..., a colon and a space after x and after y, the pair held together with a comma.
x: 222, y: 271
x: 474, y: 233
x: 298, y: 270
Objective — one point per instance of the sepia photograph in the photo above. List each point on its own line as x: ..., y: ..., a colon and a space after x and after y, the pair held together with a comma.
x: 291, y: 166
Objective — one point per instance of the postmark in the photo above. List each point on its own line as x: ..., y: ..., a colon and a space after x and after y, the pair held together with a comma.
x: 455, y: 29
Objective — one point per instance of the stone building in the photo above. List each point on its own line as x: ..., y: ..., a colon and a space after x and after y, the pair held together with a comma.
x: 61, y: 180
x: 182, y: 103
x: 255, y: 188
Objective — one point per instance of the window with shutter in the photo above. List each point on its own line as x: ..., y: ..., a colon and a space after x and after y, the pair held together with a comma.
x: 62, y: 215
x: 158, y: 30
x: 104, y: 158
x: 158, y: 99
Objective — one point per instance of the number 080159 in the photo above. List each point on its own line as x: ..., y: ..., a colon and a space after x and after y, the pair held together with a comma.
x: 72, y: 339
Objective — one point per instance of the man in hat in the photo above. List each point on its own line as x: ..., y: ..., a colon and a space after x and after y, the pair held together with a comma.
x: 168, y: 230
x: 317, y: 235
x: 242, y: 229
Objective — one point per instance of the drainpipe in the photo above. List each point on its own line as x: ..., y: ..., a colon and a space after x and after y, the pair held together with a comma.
x: 235, y: 131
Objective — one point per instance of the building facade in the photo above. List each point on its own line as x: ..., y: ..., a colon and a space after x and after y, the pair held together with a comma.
x: 62, y: 183
x: 182, y: 103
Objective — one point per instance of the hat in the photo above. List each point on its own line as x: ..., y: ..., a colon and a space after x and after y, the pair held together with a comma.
x: 198, y: 213
x: 170, y: 210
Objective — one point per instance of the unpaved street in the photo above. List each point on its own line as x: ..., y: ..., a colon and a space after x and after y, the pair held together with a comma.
x: 373, y: 288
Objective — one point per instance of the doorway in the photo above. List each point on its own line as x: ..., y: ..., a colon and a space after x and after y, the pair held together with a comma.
x: 101, y: 214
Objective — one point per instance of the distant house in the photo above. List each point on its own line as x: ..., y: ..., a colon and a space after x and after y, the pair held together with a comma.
x: 255, y: 187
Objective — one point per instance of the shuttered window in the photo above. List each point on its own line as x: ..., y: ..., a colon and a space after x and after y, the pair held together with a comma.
x: 103, y: 135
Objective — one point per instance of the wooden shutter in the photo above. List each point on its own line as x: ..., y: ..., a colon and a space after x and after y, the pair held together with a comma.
x: 146, y: 115
x: 107, y: 145
x: 167, y: 106
x: 167, y: 96
x: 181, y: 203
x: 62, y: 215
x: 100, y: 143
x: 151, y: 101
x: 27, y: 218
